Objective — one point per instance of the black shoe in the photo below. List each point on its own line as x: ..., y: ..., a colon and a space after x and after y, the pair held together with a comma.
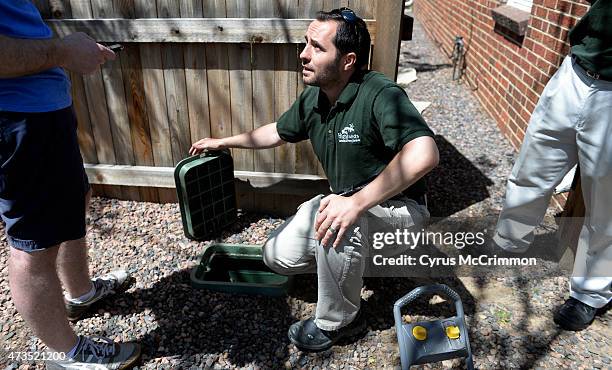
x: 309, y: 338
x: 575, y: 315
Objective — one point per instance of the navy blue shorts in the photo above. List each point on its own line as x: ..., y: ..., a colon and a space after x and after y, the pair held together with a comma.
x: 42, y: 181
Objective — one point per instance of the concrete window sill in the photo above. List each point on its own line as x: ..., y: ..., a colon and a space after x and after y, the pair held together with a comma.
x: 511, y: 22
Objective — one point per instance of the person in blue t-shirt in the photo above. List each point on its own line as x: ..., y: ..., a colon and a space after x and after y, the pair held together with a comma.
x: 44, y: 190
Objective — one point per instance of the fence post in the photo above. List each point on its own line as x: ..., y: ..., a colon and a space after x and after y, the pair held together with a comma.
x: 388, y: 36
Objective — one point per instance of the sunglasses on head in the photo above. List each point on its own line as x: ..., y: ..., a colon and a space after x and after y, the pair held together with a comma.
x: 347, y: 14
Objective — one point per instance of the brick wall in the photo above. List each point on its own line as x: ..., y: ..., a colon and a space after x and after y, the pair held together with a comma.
x: 508, y: 79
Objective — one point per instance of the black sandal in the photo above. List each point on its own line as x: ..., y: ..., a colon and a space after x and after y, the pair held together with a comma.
x: 308, y: 337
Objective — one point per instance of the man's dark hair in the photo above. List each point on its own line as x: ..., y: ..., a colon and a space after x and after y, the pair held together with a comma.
x: 352, y: 34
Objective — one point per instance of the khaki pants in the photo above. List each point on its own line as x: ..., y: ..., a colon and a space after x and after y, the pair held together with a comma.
x: 293, y: 249
x: 572, y: 123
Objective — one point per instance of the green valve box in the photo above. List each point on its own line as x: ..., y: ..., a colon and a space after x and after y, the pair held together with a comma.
x: 206, y: 194
x: 237, y: 268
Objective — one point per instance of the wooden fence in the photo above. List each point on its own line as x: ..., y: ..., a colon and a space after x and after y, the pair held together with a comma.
x: 192, y: 69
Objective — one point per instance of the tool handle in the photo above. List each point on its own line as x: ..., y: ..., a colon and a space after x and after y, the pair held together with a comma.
x: 208, y: 153
x: 427, y: 289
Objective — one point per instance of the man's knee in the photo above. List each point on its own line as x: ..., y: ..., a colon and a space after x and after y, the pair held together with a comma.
x: 270, y: 256
x: 33, y: 261
x: 276, y: 258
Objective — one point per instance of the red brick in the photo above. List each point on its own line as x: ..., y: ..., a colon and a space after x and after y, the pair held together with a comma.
x: 550, y: 42
x: 539, y: 50
x: 555, y: 31
x: 564, y: 6
x: 539, y: 11
x: 554, y: 16
x: 537, y: 24
x: 553, y: 57
x: 550, y: 4
x: 535, y: 35
x: 525, y: 115
x: 579, y: 10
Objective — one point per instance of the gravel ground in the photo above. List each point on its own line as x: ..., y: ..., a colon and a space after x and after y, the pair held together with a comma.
x: 180, y: 327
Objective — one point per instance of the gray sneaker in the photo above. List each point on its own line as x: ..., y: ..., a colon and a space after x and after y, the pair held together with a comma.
x: 99, y: 353
x: 105, y: 285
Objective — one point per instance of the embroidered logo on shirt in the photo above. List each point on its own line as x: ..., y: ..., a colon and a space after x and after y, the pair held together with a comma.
x: 348, y: 135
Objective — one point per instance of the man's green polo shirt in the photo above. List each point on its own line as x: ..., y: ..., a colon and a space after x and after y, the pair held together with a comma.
x: 591, y: 39
x: 357, y: 137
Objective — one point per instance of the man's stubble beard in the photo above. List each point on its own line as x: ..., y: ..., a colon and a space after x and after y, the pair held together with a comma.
x: 327, y: 77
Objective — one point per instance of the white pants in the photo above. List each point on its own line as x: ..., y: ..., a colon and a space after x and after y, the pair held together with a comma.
x: 571, y: 123
x: 293, y: 249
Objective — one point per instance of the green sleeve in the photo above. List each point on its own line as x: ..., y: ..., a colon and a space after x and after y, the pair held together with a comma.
x: 398, y: 120
x: 291, y: 125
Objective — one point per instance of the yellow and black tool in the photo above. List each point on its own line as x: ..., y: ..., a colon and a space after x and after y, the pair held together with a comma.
x: 432, y: 341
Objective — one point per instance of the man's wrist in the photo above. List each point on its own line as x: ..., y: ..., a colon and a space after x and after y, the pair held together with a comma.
x: 361, y: 201
x: 56, y: 53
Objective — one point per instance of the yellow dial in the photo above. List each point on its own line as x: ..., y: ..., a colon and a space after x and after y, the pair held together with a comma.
x: 452, y: 332
x: 419, y: 332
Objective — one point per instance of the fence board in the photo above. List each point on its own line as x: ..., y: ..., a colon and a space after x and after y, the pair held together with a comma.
x: 241, y: 90
x: 263, y: 95
x: 164, y: 177
x: 197, y: 91
x: 334, y: 4
x: 155, y: 97
x: 285, y: 84
x: 124, y: 8
x: 168, y: 8
x: 190, y: 8
x: 176, y: 98
x: 196, y: 78
x: 218, y: 90
x: 285, y: 81
x: 366, y: 8
x: 238, y: 8
x: 117, y: 110
x: 309, y: 8
x: 84, y: 132
x: 188, y: 30
x: 112, y: 78
x: 102, y: 9
x: 176, y: 89
x: 241, y: 97
x: 79, y: 102
x: 241, y: 87
x: 214, y: 9
x: 136, y: 105
x: 137, y: 113
x: 96, y: 103
x: 82, y: 9
x: 173, y: 64
x: 263, y: 100
x: 386, y: 54
x: 217, y: 65
x: 287, y: 9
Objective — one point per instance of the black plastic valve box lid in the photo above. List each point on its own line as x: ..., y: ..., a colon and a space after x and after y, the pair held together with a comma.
x: 206, y: 194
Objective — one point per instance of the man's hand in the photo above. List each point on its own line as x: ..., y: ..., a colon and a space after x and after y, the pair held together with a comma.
x: 206, y: 144
x: 336, y: 214
x: 81, y: 54
x: 77, y: 53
